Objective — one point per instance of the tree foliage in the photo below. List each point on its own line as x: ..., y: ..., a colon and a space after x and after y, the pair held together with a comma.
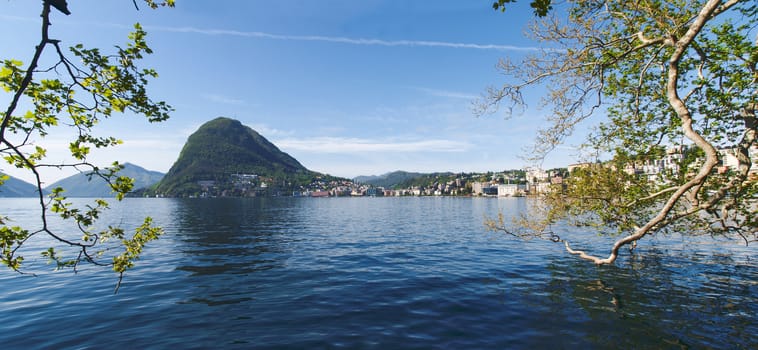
x: 678, y: 76
x: 60, y: 91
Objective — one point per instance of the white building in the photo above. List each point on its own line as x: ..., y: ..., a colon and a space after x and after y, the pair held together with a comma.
x: 540, y: 187
x: 536, y: 175
x: 510, y: 190
x: 729, y: 159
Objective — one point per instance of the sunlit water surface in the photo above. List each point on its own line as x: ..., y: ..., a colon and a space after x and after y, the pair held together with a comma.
x: 385, y: 273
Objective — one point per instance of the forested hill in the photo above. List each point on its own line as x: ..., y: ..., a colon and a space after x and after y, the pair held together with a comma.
x: 388, y: 180
x: 223, y: 148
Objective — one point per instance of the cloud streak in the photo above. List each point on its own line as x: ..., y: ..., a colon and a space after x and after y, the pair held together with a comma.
x: 223, y: 99
x: 448, y: 94
x: 345, y: 40
x: 357, y: 145
x: 323, y: 38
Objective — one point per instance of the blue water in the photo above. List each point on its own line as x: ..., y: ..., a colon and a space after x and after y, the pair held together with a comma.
x: 385, y: 273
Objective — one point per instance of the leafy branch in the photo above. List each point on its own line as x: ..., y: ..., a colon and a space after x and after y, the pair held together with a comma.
x: 75, y: 95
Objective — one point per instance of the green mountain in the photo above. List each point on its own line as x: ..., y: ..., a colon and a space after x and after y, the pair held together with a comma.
x: 427, y: 179
x: 82, y: 185
x: 388, y: 180
x: 224, y: 157
x: 17, y: 188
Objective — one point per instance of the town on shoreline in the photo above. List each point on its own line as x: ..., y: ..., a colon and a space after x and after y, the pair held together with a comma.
x: 507, y: 183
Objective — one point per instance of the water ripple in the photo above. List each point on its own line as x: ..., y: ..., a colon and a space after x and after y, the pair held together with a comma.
x: 380, y: 273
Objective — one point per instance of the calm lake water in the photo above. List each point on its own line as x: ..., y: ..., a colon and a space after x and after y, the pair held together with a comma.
x: 388, y: 273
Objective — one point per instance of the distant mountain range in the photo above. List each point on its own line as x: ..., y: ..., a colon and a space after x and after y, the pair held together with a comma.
x: 82, y: 185
x: 17, y: 188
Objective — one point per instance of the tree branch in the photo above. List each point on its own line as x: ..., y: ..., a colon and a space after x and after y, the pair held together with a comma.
x: 652, y: 196
x: 684, y: 114
x: 29, y: 71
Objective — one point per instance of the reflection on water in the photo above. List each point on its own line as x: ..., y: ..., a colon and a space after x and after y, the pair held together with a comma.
x: 223, y: 238
x: 661, y: 300
x: 381, y: 273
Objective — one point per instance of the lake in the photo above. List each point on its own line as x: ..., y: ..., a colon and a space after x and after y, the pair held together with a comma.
x: 386, y: 273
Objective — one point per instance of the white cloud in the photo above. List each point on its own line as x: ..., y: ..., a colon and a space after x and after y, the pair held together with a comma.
x: 269, y: 132
x: 357, y: 145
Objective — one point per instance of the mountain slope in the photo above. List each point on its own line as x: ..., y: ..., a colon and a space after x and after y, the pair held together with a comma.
x: 223, y: 147
x: 388, y: 180
x: 81, y: 185
x: 17, y: 188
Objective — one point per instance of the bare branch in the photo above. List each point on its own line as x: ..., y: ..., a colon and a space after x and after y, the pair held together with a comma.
x: 652, y: 196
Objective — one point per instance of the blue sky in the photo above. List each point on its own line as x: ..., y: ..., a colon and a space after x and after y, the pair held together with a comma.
x: 346, y: 87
